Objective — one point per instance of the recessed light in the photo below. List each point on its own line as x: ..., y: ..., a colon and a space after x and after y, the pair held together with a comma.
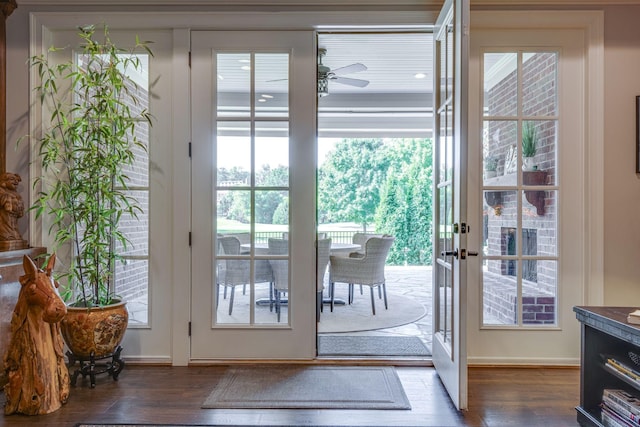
x: 245, y: 67
x: 420, y: 75
x: 262, y: 100
x: 220, y: 77
x: 244, y: 61
x: 265, y: 95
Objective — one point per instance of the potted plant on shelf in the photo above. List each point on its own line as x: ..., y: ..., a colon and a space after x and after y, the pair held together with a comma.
x: 85, y: 149
x: 490, y: 167
x: 529, y: 146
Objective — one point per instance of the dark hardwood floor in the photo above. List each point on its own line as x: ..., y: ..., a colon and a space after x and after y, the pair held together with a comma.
x: 153, y: 394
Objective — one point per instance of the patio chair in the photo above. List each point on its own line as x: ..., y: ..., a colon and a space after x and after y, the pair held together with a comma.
x: 235, y: 272
x: 280, y: 268
x: 244, y: 238
x: 367, y: 270
x: 361, y: 239
x: 323, y: 247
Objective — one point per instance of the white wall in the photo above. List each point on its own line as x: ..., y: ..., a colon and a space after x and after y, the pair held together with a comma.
x: 18, y: 104
x: 621, y: 184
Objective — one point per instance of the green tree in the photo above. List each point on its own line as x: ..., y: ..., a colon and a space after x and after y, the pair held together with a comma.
x: 350, y: 181
x: 236, y: 204
x: 391, y: 217
x: 267, y: 201
x: 281, y: 215
x: 405, y: 209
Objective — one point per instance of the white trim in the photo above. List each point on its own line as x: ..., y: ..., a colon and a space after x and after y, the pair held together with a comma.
x: 147, y: 360
x: 595, y: 162
x: 181, y: 177
x: 35, y: 37
x: 522, y: 361
x: 234, y: 21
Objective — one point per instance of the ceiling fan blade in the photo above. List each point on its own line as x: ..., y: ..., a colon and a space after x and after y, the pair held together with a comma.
x: 353, y: 68
x: 350, y: 82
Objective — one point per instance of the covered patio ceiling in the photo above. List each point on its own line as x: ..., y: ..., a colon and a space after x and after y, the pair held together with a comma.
x: 396, y: 102
x: 392, y: 95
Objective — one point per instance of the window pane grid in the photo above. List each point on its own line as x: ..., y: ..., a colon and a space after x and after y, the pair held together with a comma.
x: 251, y: 185
x: 520, y: 191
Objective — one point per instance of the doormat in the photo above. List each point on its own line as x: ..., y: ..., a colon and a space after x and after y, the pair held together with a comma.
x: 309, y: 387
x: 338, y: 345
x: 214, y: 425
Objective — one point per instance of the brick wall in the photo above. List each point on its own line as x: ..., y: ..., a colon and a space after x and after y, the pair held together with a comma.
x: 132, y: 274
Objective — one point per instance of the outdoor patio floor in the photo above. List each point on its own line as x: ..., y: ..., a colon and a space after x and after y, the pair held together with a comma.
x: 411, y: 281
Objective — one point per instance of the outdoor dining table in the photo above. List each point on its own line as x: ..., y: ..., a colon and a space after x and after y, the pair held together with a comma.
x: 337, y: 248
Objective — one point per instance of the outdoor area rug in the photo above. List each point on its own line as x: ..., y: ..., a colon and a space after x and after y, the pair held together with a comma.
x: 332, y: 345
x: 358, y: 316
x: 310, y: 387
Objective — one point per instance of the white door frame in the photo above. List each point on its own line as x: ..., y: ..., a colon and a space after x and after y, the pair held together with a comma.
x: 590, y: 279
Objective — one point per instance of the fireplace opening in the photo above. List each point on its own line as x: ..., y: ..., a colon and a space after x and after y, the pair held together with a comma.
x: 529, y: 247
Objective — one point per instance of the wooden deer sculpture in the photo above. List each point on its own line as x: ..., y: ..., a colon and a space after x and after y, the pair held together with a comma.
x: 34, y: 362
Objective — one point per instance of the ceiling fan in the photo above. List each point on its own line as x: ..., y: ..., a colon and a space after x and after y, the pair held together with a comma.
x: 326, y: 74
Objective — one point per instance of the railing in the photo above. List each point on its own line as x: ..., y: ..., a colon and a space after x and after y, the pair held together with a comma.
x: 336, y: 236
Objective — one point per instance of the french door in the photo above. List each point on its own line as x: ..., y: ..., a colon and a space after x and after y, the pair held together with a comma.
x: 253, y: 190
x: 450, y: 177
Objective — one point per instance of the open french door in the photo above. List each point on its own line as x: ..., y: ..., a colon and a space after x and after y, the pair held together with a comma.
x: 450, y: 177
x: 253, y: 181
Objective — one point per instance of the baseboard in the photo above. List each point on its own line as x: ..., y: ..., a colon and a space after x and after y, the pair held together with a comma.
x: 141, y: 360
x: 512, y: 362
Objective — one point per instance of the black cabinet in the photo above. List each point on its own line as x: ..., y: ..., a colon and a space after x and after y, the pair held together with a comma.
x: 605, y: 333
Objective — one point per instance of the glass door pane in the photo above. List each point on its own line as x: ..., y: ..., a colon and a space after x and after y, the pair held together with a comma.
x: 520, y: 188
x: 252, y: 188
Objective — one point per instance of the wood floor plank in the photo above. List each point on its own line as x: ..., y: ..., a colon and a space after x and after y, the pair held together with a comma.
x: 154, y: 394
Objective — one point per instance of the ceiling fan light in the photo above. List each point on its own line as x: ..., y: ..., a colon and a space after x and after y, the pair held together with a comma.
x: 323, y: 87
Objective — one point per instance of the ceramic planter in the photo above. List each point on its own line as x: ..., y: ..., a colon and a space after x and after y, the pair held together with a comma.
x: 96, y: 331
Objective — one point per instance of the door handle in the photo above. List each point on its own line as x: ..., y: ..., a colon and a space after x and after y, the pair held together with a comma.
x: 453, y: 253
x: 464, y: 253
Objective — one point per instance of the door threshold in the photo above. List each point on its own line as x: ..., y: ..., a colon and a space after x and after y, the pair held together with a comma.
x: 375, y: 361
x: 346, y: 361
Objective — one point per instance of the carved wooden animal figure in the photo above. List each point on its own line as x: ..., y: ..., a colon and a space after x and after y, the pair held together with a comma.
x: 34, y: 362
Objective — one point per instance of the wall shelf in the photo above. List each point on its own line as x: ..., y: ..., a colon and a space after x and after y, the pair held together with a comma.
x: 535, y: 197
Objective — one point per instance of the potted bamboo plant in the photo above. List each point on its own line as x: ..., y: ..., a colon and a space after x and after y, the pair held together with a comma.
x: 84, y: 152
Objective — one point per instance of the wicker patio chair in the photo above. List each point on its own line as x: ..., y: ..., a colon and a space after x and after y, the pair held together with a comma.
x: 280, y: 268
x: 245, y: 239
x: 361, y: 239
x: 235, y: 272
x: 323, y: 248
x: 367, y: 270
